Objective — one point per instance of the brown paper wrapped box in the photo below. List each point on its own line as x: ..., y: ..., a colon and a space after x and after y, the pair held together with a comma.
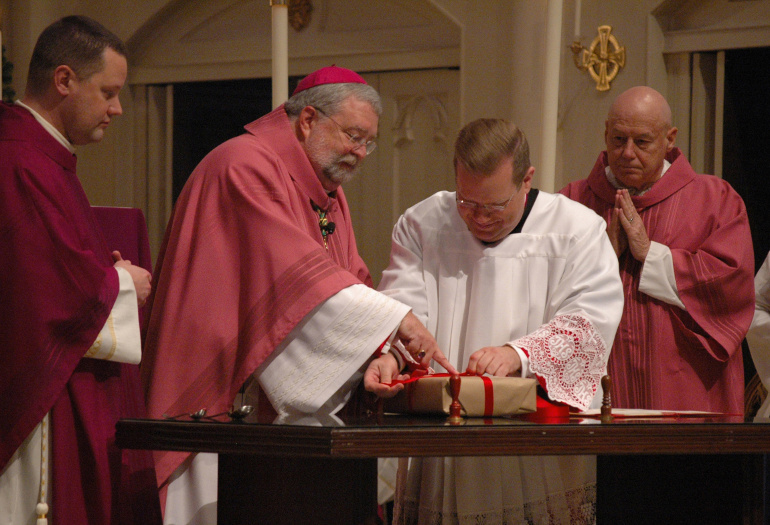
x: 480, y: 396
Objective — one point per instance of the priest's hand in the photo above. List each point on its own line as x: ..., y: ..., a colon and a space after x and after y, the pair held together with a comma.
x: 616, y: 233
x: 421, y: 344
x: 631, y: 221
x: 141, y: 277
x: 499, y: 361
x: 380, y: 372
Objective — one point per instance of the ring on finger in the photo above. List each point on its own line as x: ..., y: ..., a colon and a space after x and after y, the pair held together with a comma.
x: 421, y: 355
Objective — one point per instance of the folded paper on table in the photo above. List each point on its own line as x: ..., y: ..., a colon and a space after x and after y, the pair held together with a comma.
x: 642, y: 413
x: 480, y: 396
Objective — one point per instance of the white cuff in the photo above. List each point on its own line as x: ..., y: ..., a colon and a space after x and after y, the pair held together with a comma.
x: 321, y: 360
x: 658, y: 279
x: 119, y: 339
x: 525, y: 371
x: 398, y: 351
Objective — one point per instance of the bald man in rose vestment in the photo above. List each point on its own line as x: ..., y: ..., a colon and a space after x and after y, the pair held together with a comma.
x: 686, y: 260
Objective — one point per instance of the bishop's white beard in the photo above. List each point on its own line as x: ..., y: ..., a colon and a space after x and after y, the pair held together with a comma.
x: 337, y: 168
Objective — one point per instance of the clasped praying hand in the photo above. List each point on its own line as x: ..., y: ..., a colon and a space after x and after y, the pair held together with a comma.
x: 626, y: 228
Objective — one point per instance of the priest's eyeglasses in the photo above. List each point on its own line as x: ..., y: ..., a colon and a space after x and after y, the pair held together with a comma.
x: 474, y: 206
x: 356, y: 140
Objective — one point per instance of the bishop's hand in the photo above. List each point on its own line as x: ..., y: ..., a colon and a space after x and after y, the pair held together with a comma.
x: 419, y: 342
x: 380, y: 372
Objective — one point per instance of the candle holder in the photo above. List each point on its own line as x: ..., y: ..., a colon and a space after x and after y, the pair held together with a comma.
x: 455, y: 409
x: 603, y: 59
x: 300, y: 12
x: 606, y: 410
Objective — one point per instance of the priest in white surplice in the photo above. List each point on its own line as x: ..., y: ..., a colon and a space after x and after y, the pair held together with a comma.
x: 511, y: 281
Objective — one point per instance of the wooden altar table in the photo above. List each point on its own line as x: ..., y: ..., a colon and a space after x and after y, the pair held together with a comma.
x: 287, y: 473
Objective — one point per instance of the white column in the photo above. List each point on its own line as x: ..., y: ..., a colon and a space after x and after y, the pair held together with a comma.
x: 280, y: 51
x: 553, y: 49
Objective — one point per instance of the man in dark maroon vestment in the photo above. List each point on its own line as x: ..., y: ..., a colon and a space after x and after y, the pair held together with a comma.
x: 69, y: 335
x: 686, y: 261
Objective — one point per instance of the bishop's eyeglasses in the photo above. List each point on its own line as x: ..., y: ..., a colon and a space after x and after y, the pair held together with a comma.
x: 356, y: 140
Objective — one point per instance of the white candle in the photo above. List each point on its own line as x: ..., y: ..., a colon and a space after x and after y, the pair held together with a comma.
x: 280, y: 51
x: 577, y: 19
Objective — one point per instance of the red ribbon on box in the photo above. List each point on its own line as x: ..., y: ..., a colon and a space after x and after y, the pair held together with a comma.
x: 489, y: 399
